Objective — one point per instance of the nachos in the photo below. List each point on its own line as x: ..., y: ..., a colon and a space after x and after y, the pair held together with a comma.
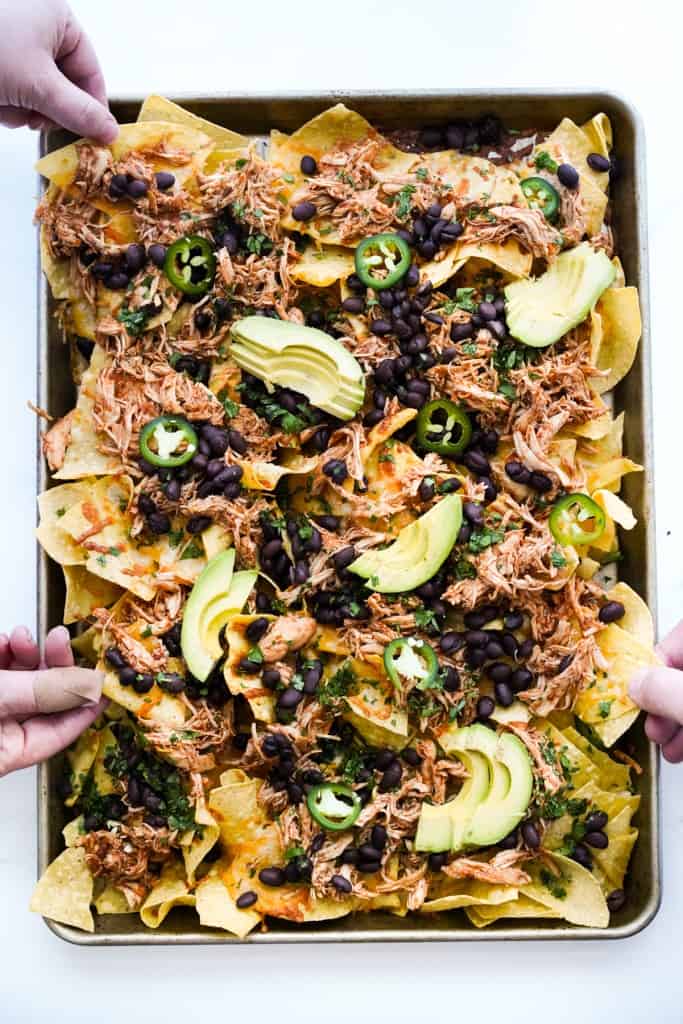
x: 335, y: 507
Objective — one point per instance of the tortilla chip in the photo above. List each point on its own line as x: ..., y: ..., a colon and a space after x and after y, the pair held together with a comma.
x: 508, y: 257
x: 85, y: 592
x: 522, y: 907
x: 610, y: 731
x: 217, y: 908
x: 442, y: 270
x: 170, y: 891
x: 619, y: 310
x: 261, y: 701
x: 616, y: 512
x: 112, y: 901
x: 574, y: 144
x: 599, y: 133
x: 324, y: 266
x: 455, y: 894
x: 88, y: 644
x: 582, y: 902
x: 64, y: 891
x: 154, y: 706
x: 83, y: 457
x: 215, y: 539
x: 57, y: 272
x: 371, y: 710
x: 81, y: 757
x: 610, y: 775
x: 474, y: 179
x: 158, y: 108
x: 265, y: 476
x: 52, y: 507
x: 203, y: 839
x: 637, y: 619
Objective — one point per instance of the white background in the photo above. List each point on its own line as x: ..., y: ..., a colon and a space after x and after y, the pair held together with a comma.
x: 212, y: 46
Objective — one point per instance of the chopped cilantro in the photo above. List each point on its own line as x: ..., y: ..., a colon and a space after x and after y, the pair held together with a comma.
x: 426, y: 619
x: 146, y: 632
x: 544, y: 162
x: 422, y: 173
x: 553, y: 885
x: 507, y: 389
x: 255, y: 654
x: 483, y: 539
x: 193, y: 550
x: 464, y: 569
x: 175, y: 537
x: 230, y: 408
x: 61, y: 512
x: 403, y: 201
x: 259, y: 244
x: 557, y: 559
x: 292, y: 851
x: 239, y: 164
x: 604, y: 708
x: 338, y: 685
x: 134, y: 320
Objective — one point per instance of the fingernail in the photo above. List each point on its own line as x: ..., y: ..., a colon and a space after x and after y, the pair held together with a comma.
x: 62, y: 633
x: 24, y: 631
x: 635, y: 687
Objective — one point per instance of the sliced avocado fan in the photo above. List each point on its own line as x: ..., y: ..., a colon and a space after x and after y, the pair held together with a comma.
x: 304, y: 359
x: 418, y: 552
x: 540, y: 311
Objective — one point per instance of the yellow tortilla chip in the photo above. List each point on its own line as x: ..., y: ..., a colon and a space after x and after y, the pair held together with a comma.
x: 637, y: 619
x: 85, y: 592
x: 64, y: 891
x: 112, y: 901
x: 154, y: 706
x: 265, y: 476
x: 170, y: 891
x: 371, y: 709
x: 81, y: 757
x: 103, y: 780
x: 88, y: 644
x: 217, y: 908
x: 455, y: 894
x: 324, y: 266
x: 574, y: 894
x: 57, y: 272
x: 203, y: 839
x: 599, y: 133
x: 83, y: 457
x: 619, y: 311
x: 158, y: 108
x: 610, y: 731
x: 509, y: 257
x: 475, y: 179
x: 52, y: 507
x: 574, y: 144
x: 215, y: 539
x: 616, y: 512
x: 261, y: 701
x: 522, y: 907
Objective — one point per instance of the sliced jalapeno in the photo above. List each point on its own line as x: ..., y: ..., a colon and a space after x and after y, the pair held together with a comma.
x: 576, y: 519
x: 190, y: 265
x: 409, y: 658
x: 168, y: 441
x: 443, y: 427
x: 540, y: 195
x: 333, y: 805
x: 382, y: 260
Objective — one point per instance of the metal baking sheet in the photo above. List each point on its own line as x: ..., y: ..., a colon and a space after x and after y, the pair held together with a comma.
x: 255, y: 115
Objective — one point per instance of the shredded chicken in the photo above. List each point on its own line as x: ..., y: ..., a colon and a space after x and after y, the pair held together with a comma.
x: 529, y: 227
x: 287, y: 634
x: 127, y: 857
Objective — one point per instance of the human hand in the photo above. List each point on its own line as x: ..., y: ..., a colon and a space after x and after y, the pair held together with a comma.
x: 49, y: 72
x: 31, y: 686
x: 659, y: 690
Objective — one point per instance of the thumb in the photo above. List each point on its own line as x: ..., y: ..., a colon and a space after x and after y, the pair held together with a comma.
x: 48, y: 690
x: 63, y: 102
x: 660, y: 691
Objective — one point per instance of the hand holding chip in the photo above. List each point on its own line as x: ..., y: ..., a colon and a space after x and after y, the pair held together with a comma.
x: 49, y: 72
x: 45, y: 703
x: 659, y: 690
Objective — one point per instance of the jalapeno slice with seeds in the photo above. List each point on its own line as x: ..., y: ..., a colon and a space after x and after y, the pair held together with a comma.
x: 333, y: 805
x: 540, y: 195
x: 382, y: 260
x: 443, y: 427
x: 190, y: 265
x: 168, y: 441
x: 409, y: 658
x: 576, y: 519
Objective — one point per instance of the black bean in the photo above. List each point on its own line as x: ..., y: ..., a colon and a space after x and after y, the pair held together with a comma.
x: 216, y: 438
x: 525, y: 648
x: 499, y: 672
x: 508, y: 642
x: 248, y: 898
x: 135, y: 257
x: 497, y: 329
x: 331, y: 523
x: 270, y: 678
x: 117, y: 185
x: 436, y: 861
x: 369, y: 852
x: 412, y: 276
x: 304, y: 211
x: 301, y: 571
x: 427, y: 249
x: 487, y: 311
x: 380, y: 327
x: 473, y: 513
x: 476, y: 637
x: 598, y: 162
x: 343, y: 558
x: 341, y: 884
x: 372, y: 418
x: 136, y: 188
x: 504, y: 694
x: 336, y: 470
x: 256, y: 629
x: 521, y: 679
x: 127, y: 676
x: 431, y: 137
x: 197, y: 524
x: 159, y: 523
x: 451, y: 642
x: 427, y: 489
x: 391, y: 777
x: 477, y: 463
x: 494, y: 649
x: 355, y: 284
x: 485, y: 707
x: 540, y: 482
x: 157, y: 254
x: 451, y: 232
x: 144, y: 681
x: 117, y: 281
x: 368, y: 867
x: 295, y: 793
x: 568, y: 176
x: 490, y: 489
x: 115, y: 658
x: 530, y: 835
x: 513, y: 620
x: 597, y: 839
x: 202, y: 319
x: 172, y: 489
x: 308, y: 165
x: 378, y: 837
x: 616, y: 900
x: 92, y: 822
x: 611, y: 611
x: 354, y: 304
x: 237, y: 442
x: 289, y: 699
x: 411, y: 756
x: 510, y: 841
x: 164, y: 180
x: 272, y: 876
x: 582, y: 856
x: 596, y: 821
x: 249, y: 667
x: 231, y: 491
x: 450, y: 678
x: 489, y: 441
x: 401, y: 365
x: 517, y: 471
x: 271, y: 549
x: 171, y: 682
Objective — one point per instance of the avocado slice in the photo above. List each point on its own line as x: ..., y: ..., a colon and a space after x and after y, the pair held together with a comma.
x: 221, y: 610
x: 417, y: 553
x: 541, y: 310
x: 511, y: 783
x: 441, y: 826
x: 214, y: 582
x: 301, y: 358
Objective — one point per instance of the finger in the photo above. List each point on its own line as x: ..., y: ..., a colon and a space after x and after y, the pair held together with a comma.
x: 13, y: 117
x: 62, y: 101
x: 58, y: 653
x: 78, y: 61
x: 671, y: 647
x: 660, y: 730
x: 5, y: 654
x: 673, y: 750
x: 38, y: 738
x: 48, y: 690
x: 659, y: 690
x: 24, y: 650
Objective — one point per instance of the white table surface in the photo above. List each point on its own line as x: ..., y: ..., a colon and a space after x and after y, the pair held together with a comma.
x: 268, y: 46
